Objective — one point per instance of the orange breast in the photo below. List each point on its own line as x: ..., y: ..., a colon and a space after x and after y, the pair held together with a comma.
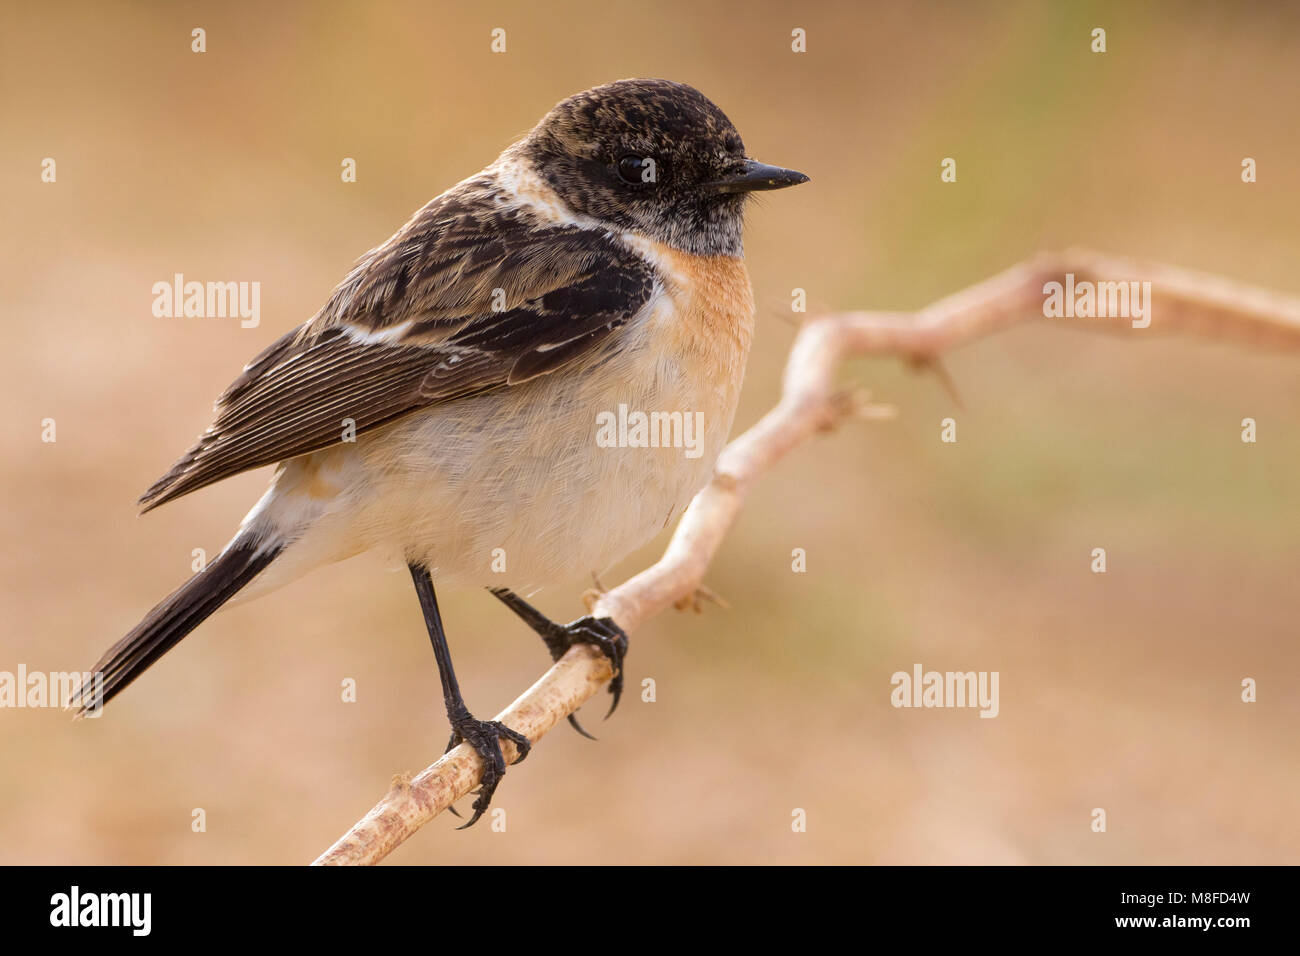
x: 714, y: 314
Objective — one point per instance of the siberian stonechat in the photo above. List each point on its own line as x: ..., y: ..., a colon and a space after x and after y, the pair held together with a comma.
x: 445, y: 406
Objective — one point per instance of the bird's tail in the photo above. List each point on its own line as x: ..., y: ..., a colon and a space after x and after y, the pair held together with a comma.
x: 181, y: 612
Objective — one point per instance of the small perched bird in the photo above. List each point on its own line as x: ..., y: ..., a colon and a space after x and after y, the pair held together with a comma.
x: 444, y: 407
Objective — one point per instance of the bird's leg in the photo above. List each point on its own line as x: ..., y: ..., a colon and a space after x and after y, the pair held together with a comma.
x: 483, y: 735
x: 601, y: 632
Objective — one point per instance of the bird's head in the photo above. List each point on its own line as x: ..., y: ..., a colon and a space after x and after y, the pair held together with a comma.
x: 653, y: 157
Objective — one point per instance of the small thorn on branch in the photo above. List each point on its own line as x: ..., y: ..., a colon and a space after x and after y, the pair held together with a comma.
x: 696, y: 599
x: 932, y: 363
x: 855, y: 403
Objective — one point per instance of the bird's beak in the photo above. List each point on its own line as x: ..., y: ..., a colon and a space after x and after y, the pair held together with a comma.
x: 752, y: 175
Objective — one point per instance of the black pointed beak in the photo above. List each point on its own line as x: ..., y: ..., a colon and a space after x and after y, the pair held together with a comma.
x: 752, y: 175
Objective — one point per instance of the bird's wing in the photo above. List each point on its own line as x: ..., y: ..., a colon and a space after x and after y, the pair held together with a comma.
x: 468, y: 296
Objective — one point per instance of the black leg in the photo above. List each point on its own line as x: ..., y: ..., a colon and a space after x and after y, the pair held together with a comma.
x: 482, y: 735
x: 602, y: 632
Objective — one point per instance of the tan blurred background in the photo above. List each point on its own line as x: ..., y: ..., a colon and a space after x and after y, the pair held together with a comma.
x: 1118, y: 691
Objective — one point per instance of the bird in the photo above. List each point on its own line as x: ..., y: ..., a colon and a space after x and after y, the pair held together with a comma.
x: 444, y: 406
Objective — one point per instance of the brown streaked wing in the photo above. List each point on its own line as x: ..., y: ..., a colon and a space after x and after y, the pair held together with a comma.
x: 565, y: 290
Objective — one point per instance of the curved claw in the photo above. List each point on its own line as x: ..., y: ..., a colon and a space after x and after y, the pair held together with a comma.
x: 601, y: 632
x: 479, y: 806
x: 573, y: 722
x: 485, y: 737
x: 522, y: 743
x: 616, y: 689
x: 492, y: 774
x: 610, y: 640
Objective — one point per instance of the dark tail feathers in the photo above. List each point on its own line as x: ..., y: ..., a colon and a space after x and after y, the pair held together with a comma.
x: 163, y: 627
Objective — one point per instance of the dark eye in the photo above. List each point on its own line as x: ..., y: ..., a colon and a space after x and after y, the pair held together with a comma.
x: 638, y: 170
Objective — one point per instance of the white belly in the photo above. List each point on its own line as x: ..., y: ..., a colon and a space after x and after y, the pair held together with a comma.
x: 519, y: 480
x: 516, y: 488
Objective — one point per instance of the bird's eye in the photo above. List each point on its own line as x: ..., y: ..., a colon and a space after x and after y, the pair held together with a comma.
x: 638, y: 170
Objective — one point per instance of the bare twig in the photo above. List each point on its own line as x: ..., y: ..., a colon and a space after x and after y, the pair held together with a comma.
x: 810, y: 402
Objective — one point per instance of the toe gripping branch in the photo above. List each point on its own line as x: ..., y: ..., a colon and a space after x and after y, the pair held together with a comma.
x: 600, y: 632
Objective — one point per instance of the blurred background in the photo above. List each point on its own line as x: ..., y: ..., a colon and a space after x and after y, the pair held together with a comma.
x: 1119, y: 691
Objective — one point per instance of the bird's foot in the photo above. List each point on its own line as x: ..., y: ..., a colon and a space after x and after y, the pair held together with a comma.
x: 485, y: 737
x: 603, y: 634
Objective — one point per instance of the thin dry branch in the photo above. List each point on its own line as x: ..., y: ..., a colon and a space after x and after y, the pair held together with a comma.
x: 1181, y: 301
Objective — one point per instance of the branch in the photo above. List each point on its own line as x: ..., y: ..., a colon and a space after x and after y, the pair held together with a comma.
x: 810, y: 402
